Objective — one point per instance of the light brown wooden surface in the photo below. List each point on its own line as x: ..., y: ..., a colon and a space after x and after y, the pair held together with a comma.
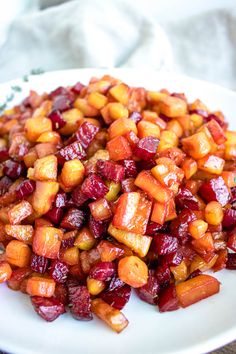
x: 228, y: 349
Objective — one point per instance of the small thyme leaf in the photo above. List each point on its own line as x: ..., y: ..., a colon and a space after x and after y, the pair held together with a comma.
x: 36, y: 71
x: 16, y: 88
x: 25, y: 78
x: 10, y: 97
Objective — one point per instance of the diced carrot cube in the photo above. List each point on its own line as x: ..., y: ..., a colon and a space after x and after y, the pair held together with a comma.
x: 85, y: 240
x: 205, y: 244
x: 44, y: 195
x: 5, y: 271
x: 185, y: 122
x: 42, y: 222
x: 97, y: 100
x: 152, y: 117
x: 20, y: 232
x: 108, y: 251
x: 140, y: 244
x: 121, y: 93
x: 117, y: 111
x: 119, y: 148
x: 198, y: 228
x: 214, y: 213
x: 174, y: 126
x: 197, y: 145
x: 70, y: 256
x: 113, y: 317
x: 132, y: 213
x: 196, y: 289
x: 133, y: 271
x: 212, y: 164
x: 167, y: 173
x: 230, y: 178
x: 73, y: 118
x: 159, y: 213
x: 152, y: 187
x: 45, y: 169
x: 173, y: 106
x: 18, y: 253
x: 47, y: 241
x: 121, y: 126
x: 155, y: 96
x: 196, y: 120
x: 19, y: 212
x: 72, y: 173
x: 39, y: 286
x: 34, y: 127
x: 170, y: 210
x: 49, y: 137
x: 87, y: 109
x: 190, y: 167
x: 146, y: 128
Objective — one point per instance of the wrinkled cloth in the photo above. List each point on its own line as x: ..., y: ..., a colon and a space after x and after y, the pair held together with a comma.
x: 121, y: 33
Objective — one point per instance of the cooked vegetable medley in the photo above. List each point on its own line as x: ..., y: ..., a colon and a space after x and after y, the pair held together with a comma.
x: 105, y: 188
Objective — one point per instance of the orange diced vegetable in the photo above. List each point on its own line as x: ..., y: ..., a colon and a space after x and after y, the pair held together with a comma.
x: 45, y: 169
x: 72, y: 173
x: 121, y: 126
x: 20, y: 232
x: 44, y: 195
x: 34, y: 127
x: 173, y: 106
x: 146, y: 128
x: 108, y: 251
x: 5, y: 271
x: 100, y: 209
x: 73, y: 118
x: 190, y: 167
x: 211, y: 164
x: 97, y: 100
x: 180, y: 272
x: 214, y: 213
x: 39, y: 286
x: 18, y: 253
x: 84, y: 240
x: 70, y: 256
x: 198, y: 228
x: 133, y: 271
x: 119, y: 148
x: 159, y: 213
x: 117, y: 111
x: 204, y: 244
x: 120, y: 92
x: 47, y: 241
x: 197, y: 145
x: 19, y: 212
x: 95, y: 286
x: 49, y: 137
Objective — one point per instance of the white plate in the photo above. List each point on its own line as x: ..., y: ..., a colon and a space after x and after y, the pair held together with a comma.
x: 200, y: 328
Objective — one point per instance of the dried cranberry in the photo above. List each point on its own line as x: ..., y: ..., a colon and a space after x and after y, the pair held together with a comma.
x: 57, y: 120
x: 86, y: 133
x: 130, y: 168
x: 94, y: 187
x: 5, y: 183
x: 12, y: 169
x: 78, y: 197
x: 229, y: 220
x: 102, y: 271
x: 118, y: 297
x: 110, y: 170
x: 179, y: 226
x: 55, y: 215
x: 185, y: 199
x: 163, y: 274
x: 25, y: 188
x: 80, y: 302
x: 98, y: 228
x: 168, y: 300
x: 59, y: 271
x: 215, y: 190
x: 48, y: 308
x: 71, y: 152
x: 146, y: 148
x: 73, y: 219
x: 165, y: 244
x: 149, y: 292
x: 135, y: 117
x: 231, y: 262
x: 39, y: 264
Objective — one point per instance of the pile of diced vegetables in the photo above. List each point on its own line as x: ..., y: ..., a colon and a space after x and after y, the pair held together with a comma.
x: 107, y: 187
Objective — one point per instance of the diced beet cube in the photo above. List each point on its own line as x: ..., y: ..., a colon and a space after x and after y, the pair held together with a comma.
x: 118, y: 297
x: 4, y: 154
x: 25, y: 188
x: 153, y: 228
x: 172, y: 259
x: 146, y: 148
x: 135, y: 117
x: 149, y: 292
x: 71, y: 152
x: 98, y: 228
x: 231, y: 242
x: 222, y: 123
x: 5, y: 183
x: 187, y: 252
x: 57, y: 120
x: 12, y: 169
x: 48, y: 308
x: 61, y: 293
x: 73, y: 219
x: 94, y: 187
x: 102, y: 271
x: 145, y: 165
x: 77, y: 88
x: 194, y: 274
x: 185, y: 199
x: 215, y: 190
x: 115, y: 283
x: 60, y: 200
x: 179, y: 226
x: 168, y: 300
x: 80, y: 302
x: 39, y: 264
x: 130, y: 168
x: 163, y: 274
x: 58, y: 91
x: 62, y: 103
x: 78, y: 197
x: 59, y: 271
x: 54, y: 215
x: 229, y: 220
x: 86, y: 133
x: 110, y: 170
x: 165, y: 244
x: 233, y: 195
x: 128, y: 185
x: 231, y: 262
x: 68, y: 242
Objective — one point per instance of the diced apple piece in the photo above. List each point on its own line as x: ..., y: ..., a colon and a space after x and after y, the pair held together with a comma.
x: 140, y: 244
x: 113, y: 317
x: 180, y: 272
x: 95, y: 286
x: 45, y: 169
x: 44, y: 196
x: 84, y: 240
x: 19, y: 212
x: 18, y: 253
x: 47, y: 241
x: 197, y: 289
x: 39, y: 286
x: 20, y: 232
